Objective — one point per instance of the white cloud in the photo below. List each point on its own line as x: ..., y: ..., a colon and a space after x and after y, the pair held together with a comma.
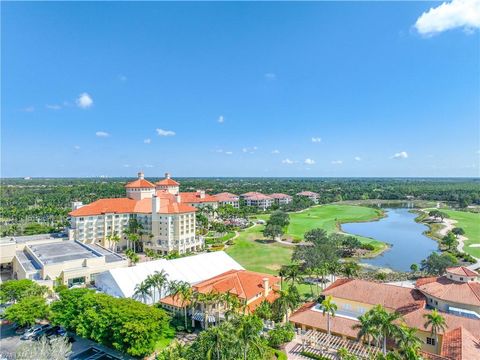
x: 162, y: 132
x: 219, y: 150
x: 287, y: 161
x: 53, y: 107
x: 126, y: 165
x: 400, y: 155
x: 309, y: 161
x: 337, y: 162
x: 450, y: 15
x: 316, y: 139
x: 102, y: 134
x: 122, y: 78
x: 221, y: 119
x: 249, y: 150
x: 148, y: 165
x: 28, y: 109
x: 275, y: 151
x: 77, y: 147
x: 357, y: 158
x: 270, y: 76
x: 229, y: 152
x: 147, y: 141
x: 84, y: 101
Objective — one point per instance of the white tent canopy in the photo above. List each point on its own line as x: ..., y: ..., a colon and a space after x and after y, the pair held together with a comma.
x: 192, y: 269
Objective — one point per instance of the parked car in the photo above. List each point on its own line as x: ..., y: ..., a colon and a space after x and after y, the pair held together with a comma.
x: 57, y: 331
x: 33, y: 331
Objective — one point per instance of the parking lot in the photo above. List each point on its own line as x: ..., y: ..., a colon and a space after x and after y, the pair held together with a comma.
x: 82, y: 349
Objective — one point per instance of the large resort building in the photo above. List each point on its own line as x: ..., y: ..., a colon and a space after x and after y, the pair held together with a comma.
x: 456, y: 295
x: 166, y: 216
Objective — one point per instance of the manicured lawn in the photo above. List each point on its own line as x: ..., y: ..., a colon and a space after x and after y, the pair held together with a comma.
x: 470, y: 222
x: 262, y: 256
x: 255, y: 253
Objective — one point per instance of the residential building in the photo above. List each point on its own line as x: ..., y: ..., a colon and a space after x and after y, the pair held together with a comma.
x: 456, y: 299
x: 227, y: 198
x: 191, y: 269
x: 48, y: 259
x: 251, y: 289
x: 258, y: 200
x: 167, y: 223
x: 281, y: 199
x: 311, y: 195
x: 199, y: 199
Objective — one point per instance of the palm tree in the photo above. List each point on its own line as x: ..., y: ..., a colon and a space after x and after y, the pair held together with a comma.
x: 329, y: 307
x: 385, y: 322
x: 436, y: 322
x: 142, y: 291
x: 408, y: 342
x: 285, y: 302
x: 159, y: 280
x: 334, y: 268
x: 183, y: 291
x: 282, y: 273
x: 206, y: 299
x: 350, y: 269
x: 293, y: 273
x: 232, y: 304
x: 368, y: 331
x: 248, y: 333
x: 115, y: 239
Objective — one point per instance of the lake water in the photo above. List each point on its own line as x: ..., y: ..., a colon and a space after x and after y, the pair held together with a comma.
x: 400, y: 230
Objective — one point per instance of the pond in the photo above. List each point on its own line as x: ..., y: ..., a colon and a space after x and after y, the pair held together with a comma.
x: 408, y: 243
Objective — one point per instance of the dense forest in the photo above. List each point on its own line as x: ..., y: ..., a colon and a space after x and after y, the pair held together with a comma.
x: 41, y: 204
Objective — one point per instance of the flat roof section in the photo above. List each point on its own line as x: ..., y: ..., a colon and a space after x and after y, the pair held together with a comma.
x: 61, y: 252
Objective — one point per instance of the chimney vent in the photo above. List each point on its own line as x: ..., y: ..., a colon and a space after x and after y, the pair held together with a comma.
x: 141, y: 175
x: 167, y: 175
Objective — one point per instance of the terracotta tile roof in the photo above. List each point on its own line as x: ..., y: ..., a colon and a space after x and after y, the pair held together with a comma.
x: 429, y: 356
x: 256, y: 196
x: 271, y: 297
x: 315, y: 319
x: 169, y: 300
x: 243, y: 283
x: 250, y: 193
x: 391, y: 297
x: 139, y: 183
x: 307, y: 193
x: 460, y: 344
x: 167, y: 182
x: 194, y: 197
x: 417, y: 320
x: 131, y: 206
x: 280, y: 196
x: 225, y: 196
x: 462, y: 271
x: 449, y: 290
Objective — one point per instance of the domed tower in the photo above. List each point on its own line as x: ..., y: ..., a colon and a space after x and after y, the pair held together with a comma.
x: 461, y: 274
x: 168, y: 184
x: 140, y: 189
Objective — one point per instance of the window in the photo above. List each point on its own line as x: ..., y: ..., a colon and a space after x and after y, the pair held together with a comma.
x: 76, y: 281
x: 430, y: 341
x: 461, y: 279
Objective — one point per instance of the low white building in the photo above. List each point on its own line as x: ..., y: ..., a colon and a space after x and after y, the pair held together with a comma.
x: 281, y: 199
x: 311, y: 195
x: 192, y: 269
x: 258, y: 200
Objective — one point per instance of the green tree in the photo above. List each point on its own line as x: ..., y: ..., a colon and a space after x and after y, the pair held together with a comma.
x: 319, y: 249
x: 436, y: 322
x: 458, y: 231
x: 16, y: 290
x: 449, y: 240
x: 184, y: 293
x: 273, y: 231
x: 350, y: 269
x: 248, y: 331
x: 436, y: 264
x: 408, y: 343
x: 414, y: 268
x: 329, y: 308
x: 280, y: 335
x: 264, y: 310
x: 142, y: 291
x: 27, y: 311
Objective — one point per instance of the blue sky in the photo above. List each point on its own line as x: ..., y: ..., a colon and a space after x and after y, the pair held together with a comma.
x: 240, y: 89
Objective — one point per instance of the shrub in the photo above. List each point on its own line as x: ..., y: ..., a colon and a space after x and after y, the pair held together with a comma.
x: 367, y: 246
x: 280, y: 335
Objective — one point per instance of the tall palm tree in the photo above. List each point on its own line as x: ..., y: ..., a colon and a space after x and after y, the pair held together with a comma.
x: 385, y: 322
x: 232, y: 304
x: 142, y: 291
x: 248, y: 333
x: 293, y: 273
x: 436, y: 322
x: 206, y: 299
x: 334, y: 268
x: 350, y: 269
x: 115, y: 239
x: 184, y: 292
x: 408, y: 343
x: 367, y: 329
x: 285, y: 302
x: 329, y: 308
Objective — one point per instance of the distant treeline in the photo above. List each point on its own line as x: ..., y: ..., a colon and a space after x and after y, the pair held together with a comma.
x: 47, y: 201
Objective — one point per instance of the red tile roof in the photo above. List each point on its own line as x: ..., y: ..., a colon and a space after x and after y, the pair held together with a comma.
x: 460, y: 344
x: 226, y: 196
x: 139, y: 183
x: 256, y: 196
x: 243, y: 283
x: 307, y: 193
x: 195, y: 198
x: 280, y: 196
x: 462, y: 271
x: 450, y: 290
x: 167, y: 182
x: 315, y: 319
x: 391, y: 297
x: 417, y: 320
x: 130, y: 206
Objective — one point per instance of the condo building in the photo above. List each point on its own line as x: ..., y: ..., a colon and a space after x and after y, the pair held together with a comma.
x: 227, y: 198
x: 281, y: 199
x: 258, y: 200
x: 166, y: 217
x: 311, y: 195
